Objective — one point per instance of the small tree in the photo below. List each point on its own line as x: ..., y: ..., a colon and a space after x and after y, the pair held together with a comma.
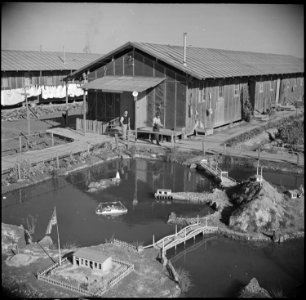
x: 247, y: 109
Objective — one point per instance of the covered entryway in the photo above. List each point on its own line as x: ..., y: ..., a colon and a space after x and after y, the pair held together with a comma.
x: 109, y: 96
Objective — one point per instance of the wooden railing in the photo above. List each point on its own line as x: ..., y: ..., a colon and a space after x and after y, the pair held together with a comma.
x: 184, y: 234
x: 95, y: 126
x: 124, y: 244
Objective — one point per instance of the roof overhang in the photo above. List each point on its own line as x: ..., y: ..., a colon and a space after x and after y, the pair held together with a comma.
x: 119, y: 84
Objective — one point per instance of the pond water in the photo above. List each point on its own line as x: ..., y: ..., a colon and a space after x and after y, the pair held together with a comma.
x: 217, y: 266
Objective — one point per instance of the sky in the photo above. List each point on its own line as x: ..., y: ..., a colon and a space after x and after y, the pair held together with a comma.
x: 102, y: 27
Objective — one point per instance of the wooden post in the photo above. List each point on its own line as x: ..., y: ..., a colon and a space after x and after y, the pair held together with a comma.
x: 52, y: 140
x: 19, y: 173
x: 84, y: 111
x: 176, y: 229
x: 203, y: 148
x: 135, y: 99
x: 197, y: 219
x: 297, y: 158
x: 116, y: 140
x: 88, y: 148
x: 172, y: 140
x: 57, y: 161
x: 185, y: 237
x: 128, y: 142
x: 206, y: 222
x: 28, y: 114
x: 20, y: 144
x: 224, y: 149
x: 153, y: 240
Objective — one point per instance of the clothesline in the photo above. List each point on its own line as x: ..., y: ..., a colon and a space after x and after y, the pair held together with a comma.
x: 15, y: 96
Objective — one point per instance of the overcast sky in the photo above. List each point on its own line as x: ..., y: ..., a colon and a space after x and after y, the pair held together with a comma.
x: 270, y: 28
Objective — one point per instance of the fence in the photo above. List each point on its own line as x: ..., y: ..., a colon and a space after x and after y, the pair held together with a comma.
x: 116, y: 278
x: 124, y: 244
x: 24, y: 143
x: 96, y: 126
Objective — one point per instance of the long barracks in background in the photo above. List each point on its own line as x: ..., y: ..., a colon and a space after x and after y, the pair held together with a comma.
x: 39, y: 68
x: 193, y: 88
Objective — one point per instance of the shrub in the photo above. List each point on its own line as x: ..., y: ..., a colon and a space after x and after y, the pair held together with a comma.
x: 292, y: 132
x: 184, y: 280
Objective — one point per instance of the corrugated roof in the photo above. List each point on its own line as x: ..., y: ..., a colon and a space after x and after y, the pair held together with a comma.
x: 17, y: 60
x: 213, y: 63
x: 91, y: 254
x: 123, y: 83
x: 217, y: 63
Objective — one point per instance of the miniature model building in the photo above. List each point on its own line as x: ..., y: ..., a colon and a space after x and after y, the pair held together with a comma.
x: 93, y: 259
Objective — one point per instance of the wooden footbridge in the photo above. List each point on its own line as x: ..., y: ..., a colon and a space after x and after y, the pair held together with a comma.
x: 217, y: 173
x: 186, y: 233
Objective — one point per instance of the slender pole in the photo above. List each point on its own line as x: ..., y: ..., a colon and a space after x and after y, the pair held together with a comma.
x: 153, y: 240
x: 59, y: 247
x: 28, y: 115
x: 20, y: 144
x: 84, y: 111
x: 57, y: 161
x: 135, y: 99
x: 66, y: 95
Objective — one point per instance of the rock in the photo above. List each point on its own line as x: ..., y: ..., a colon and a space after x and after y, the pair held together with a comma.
x: 253, y: 290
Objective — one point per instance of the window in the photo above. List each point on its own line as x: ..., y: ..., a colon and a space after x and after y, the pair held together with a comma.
x: 5, y: 82
x: 221, y: 90
x: 236, y: 88
x: 260, y: 87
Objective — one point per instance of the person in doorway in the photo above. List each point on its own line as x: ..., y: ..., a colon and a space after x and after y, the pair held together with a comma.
x: 125, y: 124
x: 156, y: 127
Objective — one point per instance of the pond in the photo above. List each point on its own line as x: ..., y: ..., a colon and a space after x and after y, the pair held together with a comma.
x: 217, y: 266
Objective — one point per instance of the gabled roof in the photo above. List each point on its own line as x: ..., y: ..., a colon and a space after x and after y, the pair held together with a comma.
x: 17, y: 60
x: 91, y: 253
x: 210, y: 63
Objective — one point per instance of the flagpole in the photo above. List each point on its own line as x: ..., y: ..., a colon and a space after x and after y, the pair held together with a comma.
x: 58, y: 240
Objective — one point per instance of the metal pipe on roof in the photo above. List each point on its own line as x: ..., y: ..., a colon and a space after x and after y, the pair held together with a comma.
x: 185, y: 49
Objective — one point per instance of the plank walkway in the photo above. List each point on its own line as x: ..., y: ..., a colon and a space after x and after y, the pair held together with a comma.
x: 216, y: 172
x: 80, y: 143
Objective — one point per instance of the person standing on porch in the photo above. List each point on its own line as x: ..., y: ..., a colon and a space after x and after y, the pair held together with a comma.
x: 156, y: 127
x: 125, y: 124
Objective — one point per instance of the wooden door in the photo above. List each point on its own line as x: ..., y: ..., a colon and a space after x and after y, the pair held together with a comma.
x: 142, y: 112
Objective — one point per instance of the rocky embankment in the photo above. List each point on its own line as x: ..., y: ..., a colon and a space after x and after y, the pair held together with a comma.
x: 249, y: 211
x: 260, y: 207
x: 254, y: 290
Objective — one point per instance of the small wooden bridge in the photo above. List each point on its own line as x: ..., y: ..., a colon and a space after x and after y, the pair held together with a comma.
x: 186, y: 233
x: 217, y: 173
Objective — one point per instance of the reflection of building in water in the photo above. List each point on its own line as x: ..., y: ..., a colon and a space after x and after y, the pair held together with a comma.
x: 141, y: 169
x: 93, y: 259
x: 180, y: 179
x: 135, y: 200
